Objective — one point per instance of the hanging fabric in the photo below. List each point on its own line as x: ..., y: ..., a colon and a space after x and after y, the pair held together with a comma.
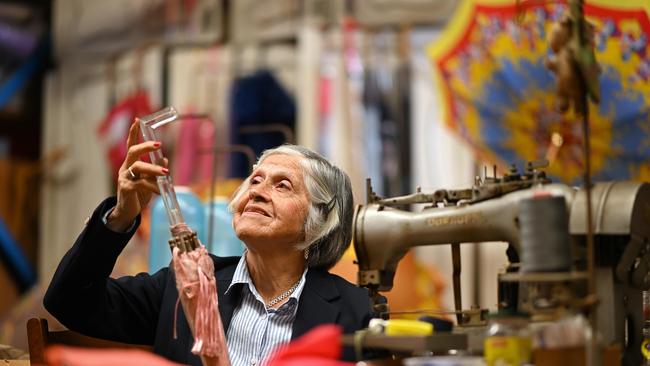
x: 190, y: 164
x: 197, y: 133
x: 387, y: 99
x: 259, y: 101
x: 114, y: 129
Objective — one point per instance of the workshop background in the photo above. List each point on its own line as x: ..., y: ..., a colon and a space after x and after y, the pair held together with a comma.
x: 409, y: 93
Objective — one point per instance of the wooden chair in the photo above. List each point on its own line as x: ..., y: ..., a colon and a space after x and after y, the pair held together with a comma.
x: 39, y: 337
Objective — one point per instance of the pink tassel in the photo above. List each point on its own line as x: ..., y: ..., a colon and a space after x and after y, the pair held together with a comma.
x: 206, y: 334
x: 198, y: 293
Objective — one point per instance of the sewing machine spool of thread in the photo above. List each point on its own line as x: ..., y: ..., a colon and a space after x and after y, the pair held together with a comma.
x: 545, y: 241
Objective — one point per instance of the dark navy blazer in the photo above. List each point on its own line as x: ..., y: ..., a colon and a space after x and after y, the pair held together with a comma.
x: 140, y: 309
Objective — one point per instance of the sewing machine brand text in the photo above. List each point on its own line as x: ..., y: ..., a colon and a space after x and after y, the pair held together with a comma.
x: 467, y: 219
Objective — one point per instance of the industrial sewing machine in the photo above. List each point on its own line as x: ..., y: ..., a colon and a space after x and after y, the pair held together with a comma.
x: 498, y: 209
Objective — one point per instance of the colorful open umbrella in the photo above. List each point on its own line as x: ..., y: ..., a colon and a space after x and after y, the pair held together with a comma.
x: 501, y: 98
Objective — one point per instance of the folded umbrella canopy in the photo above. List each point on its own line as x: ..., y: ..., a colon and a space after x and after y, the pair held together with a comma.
x: 197, y: 292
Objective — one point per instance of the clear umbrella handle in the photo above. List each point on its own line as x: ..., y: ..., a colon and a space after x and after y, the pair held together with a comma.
x: 148, y: 126
x: 181, y: 233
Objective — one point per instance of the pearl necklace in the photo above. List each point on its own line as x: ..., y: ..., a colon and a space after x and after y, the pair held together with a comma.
x: 282, y: 296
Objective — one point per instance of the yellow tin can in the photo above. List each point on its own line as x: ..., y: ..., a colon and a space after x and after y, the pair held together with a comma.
x: 508, y: 341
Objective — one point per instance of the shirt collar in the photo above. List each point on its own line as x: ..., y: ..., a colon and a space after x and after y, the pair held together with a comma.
x: 242, y: 276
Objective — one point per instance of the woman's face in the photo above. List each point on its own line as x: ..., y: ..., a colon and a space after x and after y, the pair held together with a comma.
x: 274, y: 208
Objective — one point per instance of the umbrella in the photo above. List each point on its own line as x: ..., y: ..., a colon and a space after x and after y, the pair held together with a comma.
x: 499, y: 96
x: 192, y: 265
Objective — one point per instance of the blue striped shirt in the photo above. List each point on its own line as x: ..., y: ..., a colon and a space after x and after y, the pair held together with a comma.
x: 255, y: 331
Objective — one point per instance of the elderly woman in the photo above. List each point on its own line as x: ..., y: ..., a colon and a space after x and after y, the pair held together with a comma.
x: 293, y: 213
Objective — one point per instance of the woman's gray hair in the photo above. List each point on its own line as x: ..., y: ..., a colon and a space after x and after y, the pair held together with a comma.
x: 328, y: 227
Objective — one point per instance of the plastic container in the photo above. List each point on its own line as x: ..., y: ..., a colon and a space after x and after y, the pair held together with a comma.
x: 224, y: 241
x: 159, y: 253
x: 508, y: 340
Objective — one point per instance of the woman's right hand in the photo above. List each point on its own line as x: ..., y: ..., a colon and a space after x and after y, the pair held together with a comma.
x: 136, y: 181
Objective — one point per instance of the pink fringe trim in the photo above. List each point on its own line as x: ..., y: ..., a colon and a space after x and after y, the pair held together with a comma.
x: 198, y: 290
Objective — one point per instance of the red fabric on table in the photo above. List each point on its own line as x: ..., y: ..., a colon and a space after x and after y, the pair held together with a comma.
x: 73, y: 356
x: 319, y: 347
